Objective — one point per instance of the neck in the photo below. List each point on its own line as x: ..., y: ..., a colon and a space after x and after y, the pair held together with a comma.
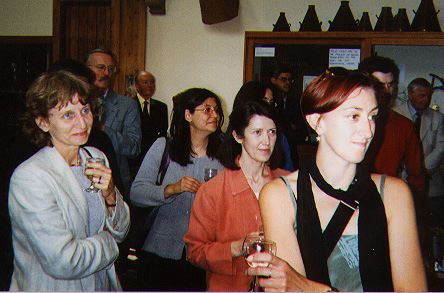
x: 335, y: 171
x: 199, y: 143
x: 252, y: 169
x: 70, y: 155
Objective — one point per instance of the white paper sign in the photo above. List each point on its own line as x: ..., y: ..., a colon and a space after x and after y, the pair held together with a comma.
x: 347, y: 58
x: 264, y: 51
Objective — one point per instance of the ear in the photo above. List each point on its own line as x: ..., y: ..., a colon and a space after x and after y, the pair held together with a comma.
x: 314, y: 120
x: 237, y: 138
x: 188, y: 115
x: 42, y: 123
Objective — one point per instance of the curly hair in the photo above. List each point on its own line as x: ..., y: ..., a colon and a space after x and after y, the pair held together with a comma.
x: 180, y: 150
x: 49, y: 90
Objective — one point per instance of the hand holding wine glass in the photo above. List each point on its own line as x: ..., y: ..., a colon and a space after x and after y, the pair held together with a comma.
x: 254, y: 244
x: 90, y: 167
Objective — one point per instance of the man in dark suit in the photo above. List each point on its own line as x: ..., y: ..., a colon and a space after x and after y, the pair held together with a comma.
x: 291, y: 119
x: 153, y: 115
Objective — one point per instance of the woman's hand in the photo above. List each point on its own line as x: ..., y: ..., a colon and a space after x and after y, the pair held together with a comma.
x: 103, y: 180
x: 185, y: 184
x: 279, y: 276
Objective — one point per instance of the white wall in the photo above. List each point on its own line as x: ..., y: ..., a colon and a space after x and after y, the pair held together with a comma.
x: 26, y: 17
x: 183, y: 52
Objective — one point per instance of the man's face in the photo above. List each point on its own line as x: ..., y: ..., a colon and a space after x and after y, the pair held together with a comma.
x: 420, y: 97
x: 283, y: 81
x: 146, y: 85
x: 103, y: 66
x: 389, y: 85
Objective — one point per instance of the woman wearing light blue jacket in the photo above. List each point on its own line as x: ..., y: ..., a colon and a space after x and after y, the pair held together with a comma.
x: 64, y: 238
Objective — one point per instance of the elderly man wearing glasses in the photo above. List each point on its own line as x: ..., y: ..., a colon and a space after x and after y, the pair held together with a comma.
x: 118, y: 114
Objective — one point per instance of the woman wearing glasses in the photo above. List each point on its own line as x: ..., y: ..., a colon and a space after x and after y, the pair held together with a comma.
x: 336, y: 225
x: 226, y: 209
x: 65, y: 238
x: 195, y: 138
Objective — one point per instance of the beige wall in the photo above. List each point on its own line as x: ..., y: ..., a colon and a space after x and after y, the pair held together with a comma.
x: 183, y: 52
x: 25, y: 17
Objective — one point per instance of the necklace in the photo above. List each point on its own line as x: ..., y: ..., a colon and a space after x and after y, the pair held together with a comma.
x: 77, y: 163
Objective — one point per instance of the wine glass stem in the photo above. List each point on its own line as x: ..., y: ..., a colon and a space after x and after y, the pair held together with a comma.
x: 255, y: 286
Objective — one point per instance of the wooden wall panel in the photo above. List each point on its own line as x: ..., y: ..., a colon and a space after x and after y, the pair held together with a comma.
x: 118, y: 25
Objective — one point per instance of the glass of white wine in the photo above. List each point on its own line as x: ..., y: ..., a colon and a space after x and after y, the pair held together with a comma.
x: 209, y: 173
x: 253, y: 244
x: 91, y: 188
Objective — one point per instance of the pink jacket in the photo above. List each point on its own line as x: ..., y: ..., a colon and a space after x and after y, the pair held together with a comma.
x: 225, y: 210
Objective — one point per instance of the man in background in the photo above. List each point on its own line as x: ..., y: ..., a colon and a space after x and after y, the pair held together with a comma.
x: 395, y: 145
x: 118, y: 115
x: 153, y: 115
x: 288, y: 108
x: 430, y: 127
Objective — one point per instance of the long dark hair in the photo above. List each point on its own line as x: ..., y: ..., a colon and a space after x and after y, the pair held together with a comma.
x: 181, y: 150
x: 239, y: 120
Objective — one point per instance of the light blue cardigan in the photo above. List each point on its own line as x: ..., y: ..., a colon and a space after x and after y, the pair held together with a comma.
x: 49, y: 228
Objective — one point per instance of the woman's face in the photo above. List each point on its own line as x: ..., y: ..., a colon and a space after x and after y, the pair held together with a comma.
x: 68, y: 126
x: 348, y: 130
x: 205, y: 117
x: 259, y: 139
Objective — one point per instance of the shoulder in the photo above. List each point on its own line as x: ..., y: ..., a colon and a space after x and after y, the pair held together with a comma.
x: 158, y: 103
x: 277, y: 189
x: 401, y: 109
x: 401, y: 120
x: 397, y: 193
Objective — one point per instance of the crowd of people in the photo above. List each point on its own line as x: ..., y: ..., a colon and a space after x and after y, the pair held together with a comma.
x: 106, y: 184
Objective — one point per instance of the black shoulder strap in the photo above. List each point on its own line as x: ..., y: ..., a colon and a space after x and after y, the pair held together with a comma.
x: 87, y: 151
x: 164, y: 163
x: 336, y: 226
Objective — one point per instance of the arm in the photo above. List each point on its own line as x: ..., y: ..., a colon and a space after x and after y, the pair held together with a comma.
x: 144, y: 191
x: 126, y: 141
x: 287, y: 272
x: 53, y: 233
x: 203, y: 250
x: 405, y: 254
x: 118, y: 222
x: 433, y: 159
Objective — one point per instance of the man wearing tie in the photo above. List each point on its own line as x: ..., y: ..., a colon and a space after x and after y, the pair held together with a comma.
x: 430, y: 127
x: 118, y: 114
x: 153, y: 115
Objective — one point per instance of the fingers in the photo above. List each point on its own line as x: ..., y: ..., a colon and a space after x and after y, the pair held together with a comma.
x: 189, y: 184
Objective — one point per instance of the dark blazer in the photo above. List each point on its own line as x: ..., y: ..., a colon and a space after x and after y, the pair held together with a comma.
x: 153, y: 126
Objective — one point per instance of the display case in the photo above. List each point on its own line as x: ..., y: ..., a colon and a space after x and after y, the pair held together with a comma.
x: 418, y: 54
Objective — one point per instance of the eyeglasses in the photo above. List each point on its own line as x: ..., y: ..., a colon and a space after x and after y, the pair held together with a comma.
x: 103, y: 67
x: 207, y: 110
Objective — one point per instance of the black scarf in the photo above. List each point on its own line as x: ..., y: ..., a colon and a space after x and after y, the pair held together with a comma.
x: 374, y: 258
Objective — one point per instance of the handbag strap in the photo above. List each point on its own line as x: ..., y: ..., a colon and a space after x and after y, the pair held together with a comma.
x: 164, y: 162
x: 336, y: 226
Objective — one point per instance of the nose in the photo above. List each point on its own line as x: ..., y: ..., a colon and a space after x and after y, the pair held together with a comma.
x: 82, y: 122
x: 367, y: 128
x: 266, y: 139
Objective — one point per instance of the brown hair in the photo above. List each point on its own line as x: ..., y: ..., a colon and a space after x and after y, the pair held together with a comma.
x: 46, y: 92
x: 329, y: 90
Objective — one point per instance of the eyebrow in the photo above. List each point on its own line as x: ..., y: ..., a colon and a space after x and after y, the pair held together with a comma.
x: 358, y: 108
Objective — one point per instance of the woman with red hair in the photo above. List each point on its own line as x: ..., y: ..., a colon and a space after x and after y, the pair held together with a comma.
x: 335, y: 224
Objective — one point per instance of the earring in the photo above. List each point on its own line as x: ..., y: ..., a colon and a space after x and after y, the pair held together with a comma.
x: 318, y: 138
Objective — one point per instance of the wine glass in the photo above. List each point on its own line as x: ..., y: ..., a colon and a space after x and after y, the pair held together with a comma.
x: 209, y: 173
x: 253, y: 244
x: 91, y: 188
